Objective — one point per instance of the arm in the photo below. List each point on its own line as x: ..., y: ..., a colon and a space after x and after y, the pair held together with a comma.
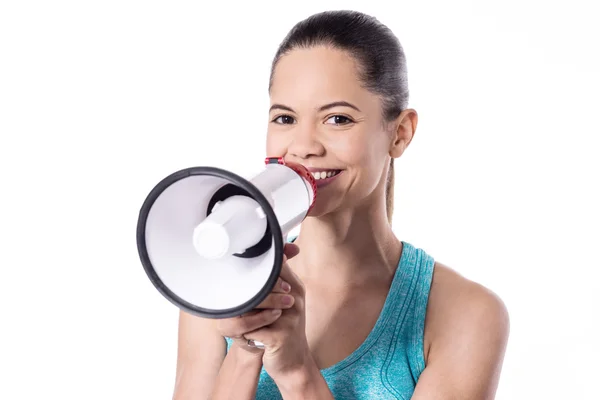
x: 203, y: 369
x: 469, y: 328
x: 238, y: 377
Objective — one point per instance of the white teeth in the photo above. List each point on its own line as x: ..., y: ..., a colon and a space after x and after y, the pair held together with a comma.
x: 323, y: 174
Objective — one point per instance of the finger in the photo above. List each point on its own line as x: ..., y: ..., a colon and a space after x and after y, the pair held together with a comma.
x: 291, y: 250
x: 236, y: 327
x: 249, y: 313
x: 289, y: 276
x: 281, y: 286
x: 267, y: 335
x: 262, y: 335
x: 277, y: 300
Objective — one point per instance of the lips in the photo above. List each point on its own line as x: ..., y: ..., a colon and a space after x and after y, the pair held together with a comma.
x: 324, y: 176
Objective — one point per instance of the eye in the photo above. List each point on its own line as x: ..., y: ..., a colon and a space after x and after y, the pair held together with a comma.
x: 284, y: 120
x: 339, y: 120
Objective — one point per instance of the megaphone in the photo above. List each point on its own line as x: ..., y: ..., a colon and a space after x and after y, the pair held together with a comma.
x: 211, y: 241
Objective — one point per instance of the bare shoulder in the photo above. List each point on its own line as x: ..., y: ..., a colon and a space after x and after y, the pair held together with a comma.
x: 466, y: 332
x: 459, y: 306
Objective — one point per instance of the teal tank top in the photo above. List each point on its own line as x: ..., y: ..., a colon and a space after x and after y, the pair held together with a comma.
x: 387, y: 365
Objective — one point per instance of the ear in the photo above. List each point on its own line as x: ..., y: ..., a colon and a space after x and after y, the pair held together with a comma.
x: 404, y: 128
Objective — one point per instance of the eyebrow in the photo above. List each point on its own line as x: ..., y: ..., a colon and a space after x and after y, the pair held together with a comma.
x: 322, y: 108
x: 280, y: 107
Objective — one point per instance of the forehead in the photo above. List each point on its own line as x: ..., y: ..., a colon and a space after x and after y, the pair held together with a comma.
x: 316, y: 75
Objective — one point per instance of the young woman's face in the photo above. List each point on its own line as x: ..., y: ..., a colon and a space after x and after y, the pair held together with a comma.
x: 322, y: 118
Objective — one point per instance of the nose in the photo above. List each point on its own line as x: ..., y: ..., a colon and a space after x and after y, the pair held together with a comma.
x: 305, y: 144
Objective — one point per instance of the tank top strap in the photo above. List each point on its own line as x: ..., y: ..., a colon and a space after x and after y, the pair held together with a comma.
x: 408, y: 297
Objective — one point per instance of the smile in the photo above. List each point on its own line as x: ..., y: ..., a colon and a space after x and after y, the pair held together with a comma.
x: 324, y: 177
x: 318, y: 175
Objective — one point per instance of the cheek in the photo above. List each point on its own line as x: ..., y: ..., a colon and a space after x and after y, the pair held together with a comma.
x: 347, y: 150
x: 366, y: 155
x: 357, y: 151
x: 275, y: 146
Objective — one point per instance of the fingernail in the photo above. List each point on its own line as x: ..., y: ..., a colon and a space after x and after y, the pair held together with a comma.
x: 286, y: 287
x: 287, y: 300
x: 276, y: 311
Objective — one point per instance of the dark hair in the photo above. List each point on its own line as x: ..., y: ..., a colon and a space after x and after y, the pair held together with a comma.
x: 379, y: 55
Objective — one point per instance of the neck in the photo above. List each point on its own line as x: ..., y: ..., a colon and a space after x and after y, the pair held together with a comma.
x: 347, y: 247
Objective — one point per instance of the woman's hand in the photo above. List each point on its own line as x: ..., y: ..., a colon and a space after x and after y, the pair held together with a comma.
x: 264, y: 314
x: 286, y: 347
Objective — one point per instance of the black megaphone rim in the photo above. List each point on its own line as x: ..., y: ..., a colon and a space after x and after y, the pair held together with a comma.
x: 272, y: 222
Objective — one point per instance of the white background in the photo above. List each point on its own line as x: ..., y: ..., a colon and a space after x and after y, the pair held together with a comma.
x: 100, y: 100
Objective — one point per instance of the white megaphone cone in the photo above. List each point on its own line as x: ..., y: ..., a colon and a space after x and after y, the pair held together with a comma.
x: 212, y: 242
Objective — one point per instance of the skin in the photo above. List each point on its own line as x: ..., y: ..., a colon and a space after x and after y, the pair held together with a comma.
x: 342, y: 264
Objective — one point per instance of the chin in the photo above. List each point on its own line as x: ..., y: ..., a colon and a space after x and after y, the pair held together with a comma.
x: 325, y: 205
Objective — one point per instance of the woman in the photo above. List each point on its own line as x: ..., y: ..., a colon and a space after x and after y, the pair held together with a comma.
x: 357, y: 313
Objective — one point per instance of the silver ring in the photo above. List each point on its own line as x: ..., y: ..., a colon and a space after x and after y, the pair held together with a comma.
x: 257, y: 345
